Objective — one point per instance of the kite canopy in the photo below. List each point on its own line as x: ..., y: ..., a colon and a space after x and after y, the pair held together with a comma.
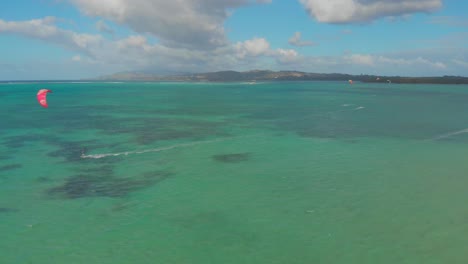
x: 42, y: 97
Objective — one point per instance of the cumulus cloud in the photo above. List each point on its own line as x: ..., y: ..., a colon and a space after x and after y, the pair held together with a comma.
x: 359, y: 59
x: 287, y: 55
x: 101, y: 26
x: 296, y: 40
x: 348, y: 11
x: 411, y: 62
x: 252, y: 47
x: 380, y: 60
x: 76, y: 58
x: 182, y: 23
x: 95, y: 48
x: 460, y: 63
x: 378, y: 64
x: 96, y: 55
x: 135, y: 52
x: 45, y: 29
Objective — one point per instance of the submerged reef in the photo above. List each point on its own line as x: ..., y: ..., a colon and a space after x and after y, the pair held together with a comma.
x: 104, y: 185
x: 10, y: 167
x: 232, y: 158
x: 4, y: 210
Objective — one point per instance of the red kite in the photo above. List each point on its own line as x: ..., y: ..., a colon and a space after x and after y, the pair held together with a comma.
x: 42, y: 97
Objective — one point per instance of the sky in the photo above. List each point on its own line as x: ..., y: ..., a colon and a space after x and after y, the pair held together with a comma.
x: 74, y: 39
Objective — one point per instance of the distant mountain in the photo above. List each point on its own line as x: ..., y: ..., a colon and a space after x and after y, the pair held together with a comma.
x: 266, y: 75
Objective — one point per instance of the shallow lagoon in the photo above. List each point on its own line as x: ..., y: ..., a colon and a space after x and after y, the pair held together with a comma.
x: 287, y: 172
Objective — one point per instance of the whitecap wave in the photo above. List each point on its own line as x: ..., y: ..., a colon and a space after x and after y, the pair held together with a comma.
x: 451, y: 134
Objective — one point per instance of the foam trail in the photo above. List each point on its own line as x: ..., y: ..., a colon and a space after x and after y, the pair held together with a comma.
x: 451, y: 134
x: 183, y: 145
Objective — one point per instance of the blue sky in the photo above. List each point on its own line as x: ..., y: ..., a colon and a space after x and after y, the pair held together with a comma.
x: 72, y: 39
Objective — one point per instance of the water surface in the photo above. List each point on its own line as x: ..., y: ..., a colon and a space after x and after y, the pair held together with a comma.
x: 285, y: 172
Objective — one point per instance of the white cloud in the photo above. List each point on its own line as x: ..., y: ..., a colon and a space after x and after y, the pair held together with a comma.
x: 45, y: 29
x: 253, y: 47
x: 460, y: 63
x: 133, y: 42
x: 96, y: 55
x: 287, y: 55
x: 40, y: 28
x: 135, y: 52
x: 359, y: 59
x: 178, y: 23
x: 101, y: 26
x: 296, y: 40
x: 379, y: 64
x: 76, y: 58
x: 410, y: 62
x: 348, y: 11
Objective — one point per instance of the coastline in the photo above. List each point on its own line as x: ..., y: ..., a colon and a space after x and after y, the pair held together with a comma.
x: 255, y: 76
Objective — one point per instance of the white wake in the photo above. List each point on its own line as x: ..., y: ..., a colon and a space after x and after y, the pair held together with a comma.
x: 451, y: 134
x: 125, y: 153
x: 184, y: 145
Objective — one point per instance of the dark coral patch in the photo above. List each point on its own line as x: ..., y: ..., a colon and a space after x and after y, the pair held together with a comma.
x: 43, y: 179
x: 232, y: 158
x: 88, y: 185
x: 102, y: 170
x: 5, y: 157
x: 20, y: 141
x: 10, y: 167
x: 4, y: 210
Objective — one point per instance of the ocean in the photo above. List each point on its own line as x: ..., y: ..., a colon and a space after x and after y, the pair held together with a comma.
x: 274, y: 172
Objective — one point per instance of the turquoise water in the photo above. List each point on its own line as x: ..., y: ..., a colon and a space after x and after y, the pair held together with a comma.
x: 292, y: 172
